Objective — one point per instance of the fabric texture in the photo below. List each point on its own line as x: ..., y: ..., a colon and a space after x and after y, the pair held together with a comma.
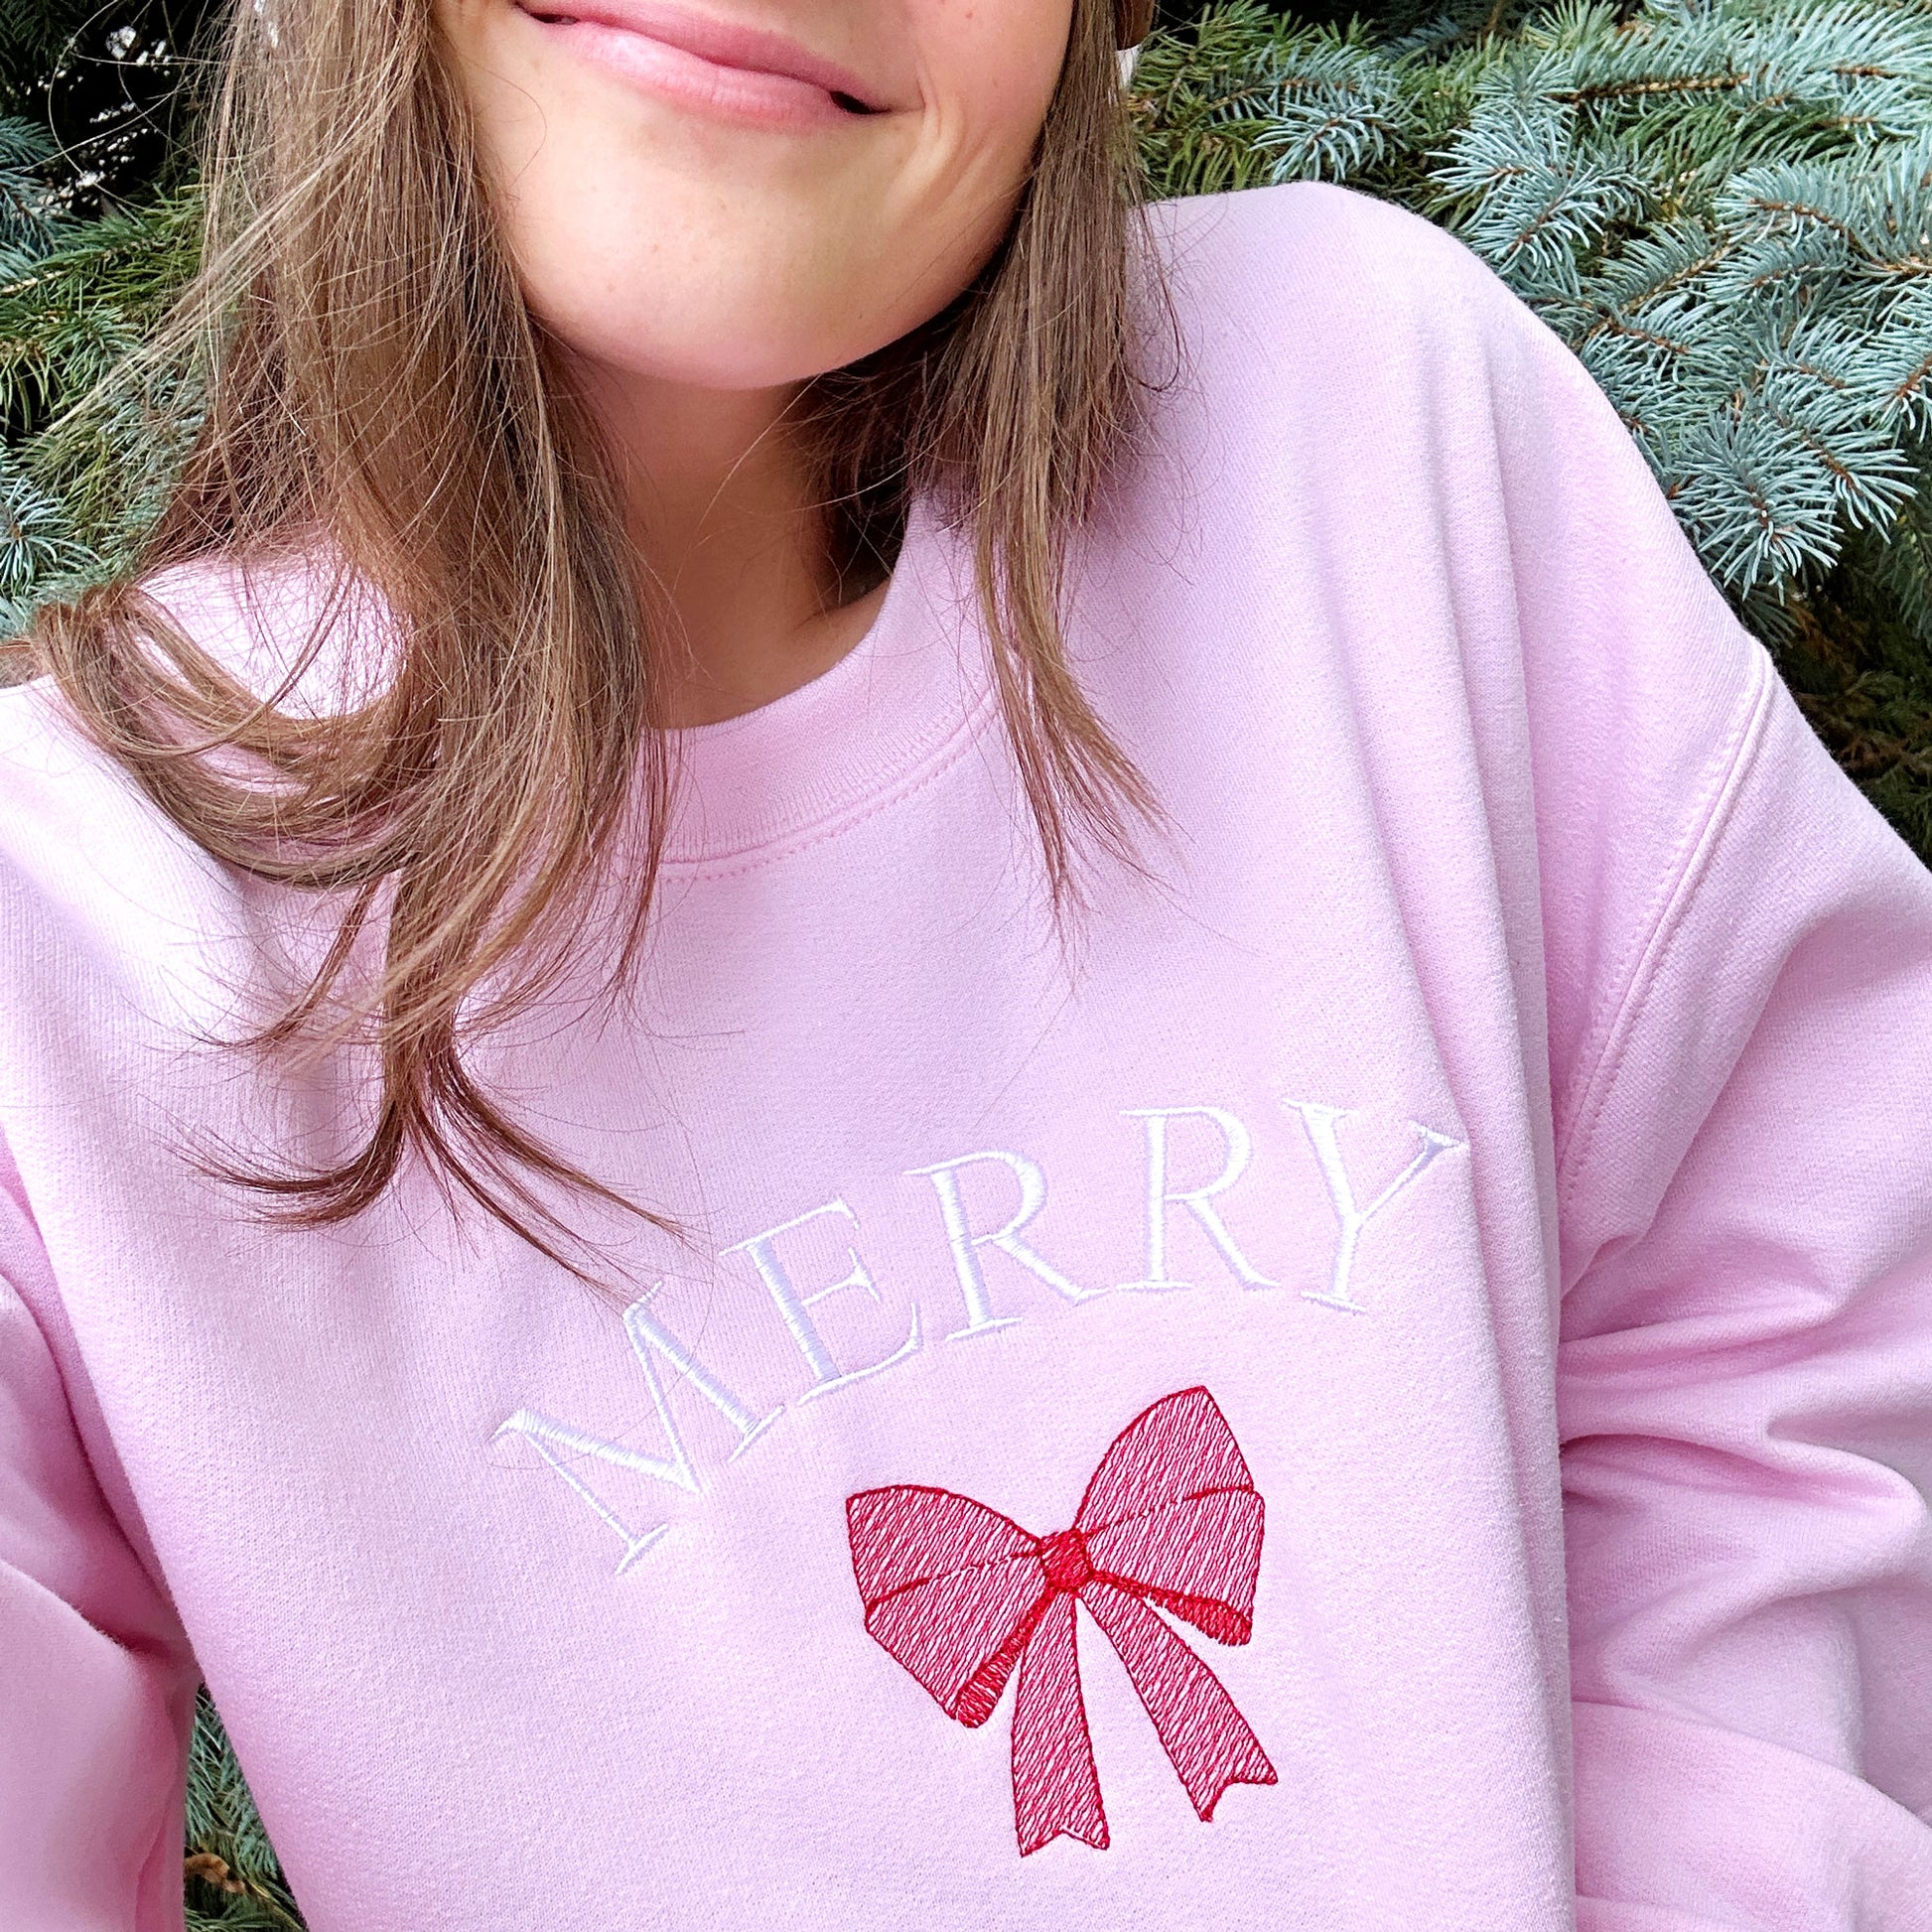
x: 1504, y: 1096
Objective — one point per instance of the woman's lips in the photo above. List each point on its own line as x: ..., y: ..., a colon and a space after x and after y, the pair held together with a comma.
x: 746, y: 74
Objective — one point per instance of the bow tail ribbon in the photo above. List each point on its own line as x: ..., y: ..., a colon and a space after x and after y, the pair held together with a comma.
x: 1055, y: 1785
x: 1207, y: 1741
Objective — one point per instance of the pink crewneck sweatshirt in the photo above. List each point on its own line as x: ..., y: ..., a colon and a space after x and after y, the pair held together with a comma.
x: 1386, y: 1383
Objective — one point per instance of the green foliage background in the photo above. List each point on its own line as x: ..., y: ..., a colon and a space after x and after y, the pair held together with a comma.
x: 1724, y: 207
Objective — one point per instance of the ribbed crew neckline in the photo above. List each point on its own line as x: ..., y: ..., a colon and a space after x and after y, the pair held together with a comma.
x: 900, y: 700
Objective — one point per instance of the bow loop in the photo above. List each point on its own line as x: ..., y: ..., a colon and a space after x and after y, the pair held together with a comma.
x: 949, y: 1589
x: 1179, y: 1451
x: 961, y: 1595
x: 1197, y: 1558
x: 1172, y: 1512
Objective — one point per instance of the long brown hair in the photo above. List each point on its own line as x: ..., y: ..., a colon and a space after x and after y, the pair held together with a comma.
x: 379, y: 395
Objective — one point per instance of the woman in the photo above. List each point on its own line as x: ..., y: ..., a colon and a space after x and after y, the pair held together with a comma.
x: 836, y: 947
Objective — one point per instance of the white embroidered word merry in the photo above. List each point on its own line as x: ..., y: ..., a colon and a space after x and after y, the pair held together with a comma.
x: 653, y: 1343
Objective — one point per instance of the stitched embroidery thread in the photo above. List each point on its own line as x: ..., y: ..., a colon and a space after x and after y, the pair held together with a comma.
x: 961, y: 1595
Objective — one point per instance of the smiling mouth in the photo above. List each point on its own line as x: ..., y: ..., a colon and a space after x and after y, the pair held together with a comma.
x: 843, y: 101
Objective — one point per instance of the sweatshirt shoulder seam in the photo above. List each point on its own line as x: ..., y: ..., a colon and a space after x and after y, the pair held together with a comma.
x: 1676, y: 893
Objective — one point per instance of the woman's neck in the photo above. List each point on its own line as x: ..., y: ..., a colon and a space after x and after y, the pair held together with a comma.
x: 722, y: 510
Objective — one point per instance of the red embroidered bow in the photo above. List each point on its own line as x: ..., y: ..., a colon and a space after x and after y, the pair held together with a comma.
x: 959, y: 1595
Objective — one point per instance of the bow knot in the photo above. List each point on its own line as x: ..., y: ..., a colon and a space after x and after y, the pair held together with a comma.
x: 961, y: 1595
x: 1067, y: 1565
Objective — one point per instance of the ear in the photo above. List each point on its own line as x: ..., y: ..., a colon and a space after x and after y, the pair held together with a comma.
x: 1133, y: 21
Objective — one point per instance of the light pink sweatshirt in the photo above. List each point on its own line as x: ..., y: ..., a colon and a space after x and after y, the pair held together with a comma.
x: 1487, y: 1159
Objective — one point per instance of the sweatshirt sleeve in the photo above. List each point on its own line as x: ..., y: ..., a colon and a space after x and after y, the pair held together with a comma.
x: 1739, y: 953
x: 1746, y: 1379
x: 96, y: 1683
